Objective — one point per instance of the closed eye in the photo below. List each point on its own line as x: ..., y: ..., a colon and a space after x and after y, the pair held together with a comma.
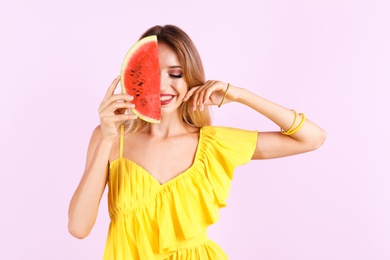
x: 176, y: 75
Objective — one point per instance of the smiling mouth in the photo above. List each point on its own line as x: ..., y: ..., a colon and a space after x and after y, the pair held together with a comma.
x: 166, y: 99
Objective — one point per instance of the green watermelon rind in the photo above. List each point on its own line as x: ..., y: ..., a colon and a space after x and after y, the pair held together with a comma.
x: 152, y: 38
x: 145, y: 118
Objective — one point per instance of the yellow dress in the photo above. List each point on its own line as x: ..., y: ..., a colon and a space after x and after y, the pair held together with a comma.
x: 151, y: 221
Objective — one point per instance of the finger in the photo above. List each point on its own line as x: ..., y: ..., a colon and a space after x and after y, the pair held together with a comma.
x: 195, y: 98
x: 114, y: 119
x: 201, y: 94
x: 120, y: 111
x: 202, y: 91
x: 115, y: 106
x: 207, y: 95
x: 124, y: 117
x: 189, y: 93
x: 208, y: 88
x: 120, y: 105
x: 192, y: 94
x: 112, y: 87
x: 120, y: 98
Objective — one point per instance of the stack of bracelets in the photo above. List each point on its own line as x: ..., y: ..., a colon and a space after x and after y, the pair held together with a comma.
x: 292, y: 130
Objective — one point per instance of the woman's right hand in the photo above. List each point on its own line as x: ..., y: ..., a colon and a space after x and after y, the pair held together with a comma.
x: 112, y: 111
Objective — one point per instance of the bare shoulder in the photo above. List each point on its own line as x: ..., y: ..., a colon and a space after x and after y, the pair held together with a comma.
x: 96, y: 134
x: 94, y: 140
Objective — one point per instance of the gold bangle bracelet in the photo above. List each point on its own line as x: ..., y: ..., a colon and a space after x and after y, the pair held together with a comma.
x: 295, y: 119
x: 224, y: 95
x: 298, y: 127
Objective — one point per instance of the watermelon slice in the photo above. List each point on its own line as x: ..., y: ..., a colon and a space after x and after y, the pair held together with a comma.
x: 140, y: 77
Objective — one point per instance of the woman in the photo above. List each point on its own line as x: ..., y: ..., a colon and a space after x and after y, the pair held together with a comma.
x: 161, y: 204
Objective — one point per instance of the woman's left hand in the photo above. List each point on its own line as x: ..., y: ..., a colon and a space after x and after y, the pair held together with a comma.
x: 211, y: 93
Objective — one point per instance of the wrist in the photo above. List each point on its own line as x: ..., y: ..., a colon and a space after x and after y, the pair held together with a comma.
x: 241, y: 95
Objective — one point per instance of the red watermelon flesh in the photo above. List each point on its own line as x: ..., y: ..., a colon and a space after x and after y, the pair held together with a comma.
x: 140, y: 77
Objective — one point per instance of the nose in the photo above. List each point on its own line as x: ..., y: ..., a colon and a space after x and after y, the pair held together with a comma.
x: 163, y: 82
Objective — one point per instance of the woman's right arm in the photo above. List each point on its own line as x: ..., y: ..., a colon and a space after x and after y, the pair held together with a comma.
x: 85, y: 202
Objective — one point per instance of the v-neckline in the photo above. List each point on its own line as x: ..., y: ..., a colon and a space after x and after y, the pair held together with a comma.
x: 180, y: 175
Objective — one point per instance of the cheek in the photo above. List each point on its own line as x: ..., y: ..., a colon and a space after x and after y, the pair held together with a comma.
x: 182, y: 88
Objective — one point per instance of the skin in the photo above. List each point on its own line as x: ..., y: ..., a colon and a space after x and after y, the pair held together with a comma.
x: 181, y: 138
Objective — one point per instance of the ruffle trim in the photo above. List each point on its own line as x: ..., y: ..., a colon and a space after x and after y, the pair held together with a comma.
x: 184, y: 207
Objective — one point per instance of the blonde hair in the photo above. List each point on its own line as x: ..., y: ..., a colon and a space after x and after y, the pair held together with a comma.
x: 193, y: 72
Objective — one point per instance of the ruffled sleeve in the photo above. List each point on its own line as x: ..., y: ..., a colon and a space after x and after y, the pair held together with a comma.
x: 225, y: 149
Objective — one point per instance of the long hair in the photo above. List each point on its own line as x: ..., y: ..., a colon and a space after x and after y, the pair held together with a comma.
x: 193, y: 72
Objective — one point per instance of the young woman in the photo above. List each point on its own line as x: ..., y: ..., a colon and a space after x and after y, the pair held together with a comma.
x: 161, y: 204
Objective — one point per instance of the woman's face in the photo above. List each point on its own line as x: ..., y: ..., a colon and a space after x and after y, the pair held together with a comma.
x: 172, y: 85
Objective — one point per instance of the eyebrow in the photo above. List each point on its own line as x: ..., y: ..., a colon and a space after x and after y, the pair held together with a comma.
x: 174, y: 67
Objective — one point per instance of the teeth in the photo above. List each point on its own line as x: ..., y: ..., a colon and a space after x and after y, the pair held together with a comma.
x: 165, y: 98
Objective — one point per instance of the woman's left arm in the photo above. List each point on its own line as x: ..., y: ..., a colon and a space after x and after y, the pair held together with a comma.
x: 308, y: 136
x: 276, y: 144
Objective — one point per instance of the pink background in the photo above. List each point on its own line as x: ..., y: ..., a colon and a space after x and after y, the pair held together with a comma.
x: 328, y: 59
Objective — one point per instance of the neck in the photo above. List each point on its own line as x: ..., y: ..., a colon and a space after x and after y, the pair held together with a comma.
x: 171, y: 125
